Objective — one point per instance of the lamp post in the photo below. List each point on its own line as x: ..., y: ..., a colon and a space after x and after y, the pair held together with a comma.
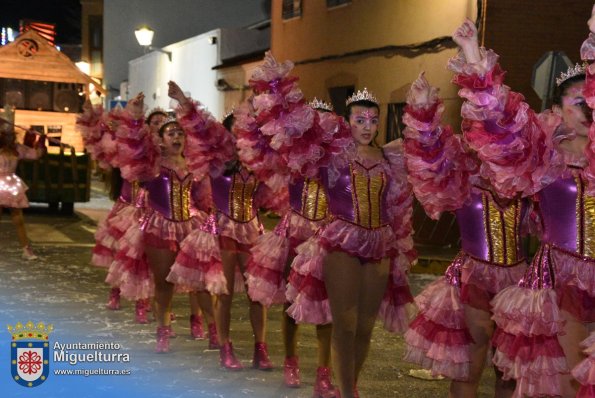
x: 144, y: 36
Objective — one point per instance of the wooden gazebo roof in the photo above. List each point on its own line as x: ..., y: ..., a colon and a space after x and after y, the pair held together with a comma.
x: 31, y: 57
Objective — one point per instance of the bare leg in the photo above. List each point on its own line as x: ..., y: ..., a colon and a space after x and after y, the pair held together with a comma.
x: 574, y: 332
x: 481, y: 328
x: 258, y: 313
x: 160, y: 261
x: 342, y: 278
x: 288, y: 325
x: 323, y: 336
x: 223, y: 301
x: 204, y: 301
x: 374, y: 278
x: 19, y: 223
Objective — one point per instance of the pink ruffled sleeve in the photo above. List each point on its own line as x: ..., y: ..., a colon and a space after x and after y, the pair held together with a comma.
x: 279, y: 132
x: 202, y: 196
x: 438, y: 167
x: 139, y: 155
x: 513, y: 144
x: 400, y: 200
x: 98, y: 132
x: 208, y: 143
x: 276, y: 201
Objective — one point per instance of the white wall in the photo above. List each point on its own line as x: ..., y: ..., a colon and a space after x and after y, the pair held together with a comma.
x: 172, y: 21
x: 190, y: 67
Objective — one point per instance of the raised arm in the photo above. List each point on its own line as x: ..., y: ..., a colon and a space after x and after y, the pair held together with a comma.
x: 208, y: 143
x: 588, y: 54
x: 139, y: 154
x: 438, y: 167
x: 514, y: 144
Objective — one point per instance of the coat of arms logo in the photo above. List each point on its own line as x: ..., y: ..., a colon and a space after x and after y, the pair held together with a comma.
x: 30, y: 353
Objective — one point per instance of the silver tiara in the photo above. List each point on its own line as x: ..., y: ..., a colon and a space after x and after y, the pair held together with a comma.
x: 169, y: 119
x: 320, y: 105
x: 364, y: 95
x: 576, y: 70
x: 228, y: 113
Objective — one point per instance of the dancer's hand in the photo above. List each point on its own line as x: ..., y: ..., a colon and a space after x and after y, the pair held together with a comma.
x: 466, y: 38
x: 174, y: 91
x: 421, y: 93
x: 136, y: 106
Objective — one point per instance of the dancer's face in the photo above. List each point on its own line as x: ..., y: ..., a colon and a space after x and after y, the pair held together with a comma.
x: 155, y: 122
x: 575, y: 111
x: 173, y: 139
x: 364, y: 124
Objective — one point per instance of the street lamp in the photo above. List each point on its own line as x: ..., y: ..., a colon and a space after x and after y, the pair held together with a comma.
x: 144, y: 36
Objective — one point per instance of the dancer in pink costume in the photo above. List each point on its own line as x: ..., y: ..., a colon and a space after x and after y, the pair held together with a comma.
x: 234, y: 227
x: 117, y: 238
x: 271, y: 257
x: 12, y: 188
x: 451, y: 334
x: 341, y: 274
x: 177, y: 203
x: 584, y: 372
x: 541, y: 321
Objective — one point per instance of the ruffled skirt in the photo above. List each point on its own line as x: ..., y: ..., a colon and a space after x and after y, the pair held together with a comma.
x: 439, y: 339
x: 306, y: 289
x: 108, y: 233
x: 243, y: 233
x: 265, y: 271
x: 130, y: 270
x: 198, y: 265
x: 584, y: 372
x: 13, y: 191
x: 529, y: 319
x: 163, y: 233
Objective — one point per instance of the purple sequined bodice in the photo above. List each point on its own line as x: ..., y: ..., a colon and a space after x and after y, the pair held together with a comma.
x: 359, y: 195
x: 234, y: 195
x: 308, y: 198
x: 174, y: 198
x: 489, y: 232
x: 568, y: 216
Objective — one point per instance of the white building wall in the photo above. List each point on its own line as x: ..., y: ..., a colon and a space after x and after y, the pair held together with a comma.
x: 191, y: 66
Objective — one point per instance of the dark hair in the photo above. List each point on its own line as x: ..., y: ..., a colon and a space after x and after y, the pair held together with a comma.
x: 560, y: 90
x: 163, y: 126
x: 114, y: 182
x: 153, y: 114
x: 228, y: 122
x: 364, y: 103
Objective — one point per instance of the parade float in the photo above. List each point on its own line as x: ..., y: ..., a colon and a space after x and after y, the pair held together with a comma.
x: 46, y: 90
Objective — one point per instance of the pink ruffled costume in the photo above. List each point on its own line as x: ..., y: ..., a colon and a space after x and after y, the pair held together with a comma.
x: 12, y: 188
x: 118, y: 244
x: 584, y: 372
x: 175, y: 206
x: 517, y: 151
x: 98, y: 132
x: 444, y: 178
x: 266, y: 267
x: 365, y: 204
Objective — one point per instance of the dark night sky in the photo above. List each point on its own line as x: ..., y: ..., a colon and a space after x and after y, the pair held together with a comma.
x: 66, y: 14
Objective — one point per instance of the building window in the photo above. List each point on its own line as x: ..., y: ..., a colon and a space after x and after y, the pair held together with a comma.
x: 338, y: 97
x: 292, y: 9
x: 335, y: 3
x: 394, y: 121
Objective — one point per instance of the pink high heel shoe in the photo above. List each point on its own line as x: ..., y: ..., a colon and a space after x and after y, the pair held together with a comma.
x: 162, y: 345
x: 228, y: 359
x: 213, y: 339
x: 323, y: 388
x: 291, y: 372
x: 196, y: 329
x: 113, y: 302
x: 261, y: 359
